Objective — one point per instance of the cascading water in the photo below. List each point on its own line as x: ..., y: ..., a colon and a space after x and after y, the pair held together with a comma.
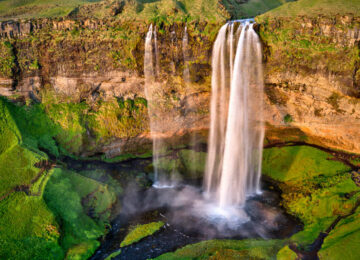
x: 151, y: 70
x: 233, y: 165
x: 185, y: 49
x: 158, y: 116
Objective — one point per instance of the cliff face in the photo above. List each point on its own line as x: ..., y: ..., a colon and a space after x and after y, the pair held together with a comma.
x: 89, y: 76
x: 313, y: 78
x: 95, y: 67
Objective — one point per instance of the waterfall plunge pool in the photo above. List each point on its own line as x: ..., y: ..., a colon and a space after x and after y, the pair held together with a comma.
x: 188, y: 216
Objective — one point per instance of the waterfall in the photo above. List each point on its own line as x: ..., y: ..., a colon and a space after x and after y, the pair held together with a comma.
x: 233, y: 167
x: 161, y: 120
x: 151, y: 70
x: 185, y: 49
x: 156, y: 53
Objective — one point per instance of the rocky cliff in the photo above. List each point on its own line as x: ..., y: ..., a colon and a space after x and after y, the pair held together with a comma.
x: 88, y: 76
x: 312, y: 77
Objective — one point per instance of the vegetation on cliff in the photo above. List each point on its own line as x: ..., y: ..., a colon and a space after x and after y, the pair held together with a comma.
x: 309, y: 45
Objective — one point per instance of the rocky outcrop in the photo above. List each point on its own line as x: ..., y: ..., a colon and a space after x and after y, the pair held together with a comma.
x: 311, y: 75
x: 96, y: 61
x: 312, y: 78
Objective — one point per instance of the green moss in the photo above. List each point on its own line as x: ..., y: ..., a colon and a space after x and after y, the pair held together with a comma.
x: 168, y: 164
x: 343, y: 241
x: 288, y: 119
x: 334, y: 100
x: 125, y: 157
x: 228, y: 249
x: 70, y: 117
x: 34, y: 65
x: 113, y: 255
x: 193, y: 162
x: 286, y: 254
x: 28, y: 229
x: 293, y: 47
x: 7, y: 59
x: 315, y: 190
x: 299, y: 162
x: 140, y: 231
x: 121, y: 119
x: 73, y: 198
x: 18, y: 149
x: 10, y: 134
x: 312, y: 203
x: 83, y: 250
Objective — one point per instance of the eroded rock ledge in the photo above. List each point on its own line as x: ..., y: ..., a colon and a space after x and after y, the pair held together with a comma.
x: 312, y: 78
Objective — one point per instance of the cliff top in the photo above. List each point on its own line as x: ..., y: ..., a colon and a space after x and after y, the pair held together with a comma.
x: 210, y: 10
x: 312, y: 8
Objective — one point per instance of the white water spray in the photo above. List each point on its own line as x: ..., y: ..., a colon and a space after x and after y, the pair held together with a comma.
x: 233, y: 166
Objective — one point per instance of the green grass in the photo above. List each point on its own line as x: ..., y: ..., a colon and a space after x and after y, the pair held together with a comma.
x: 168, y: 11
x: 296, y: 163
x: 28, y: 229
x: 57, y: 221
x: 343, y: 241
x: 138, y: 232
x: 227, y: 249
x: 314, y: 189
x: 113, y: 255
x: 157, y: 11
x: 193, y: 163
x: 38, y: 8
x: 18, y: 153
x: 103, y: 177
x: 73, y: 197
x: 125, y: 157
x: 286, y: 254
x: 140, y: 9
x: 250, y: 8
x: 313, y: 8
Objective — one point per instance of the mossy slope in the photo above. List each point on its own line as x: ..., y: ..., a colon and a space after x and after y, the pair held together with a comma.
x: 28, y: 229
x: 83, y: 206
x: 64, y: 219
x: 228, y: 249
x: 296, y: 163
x: 316, y: 188
x: 343, y: 241
x: 19, y: 152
